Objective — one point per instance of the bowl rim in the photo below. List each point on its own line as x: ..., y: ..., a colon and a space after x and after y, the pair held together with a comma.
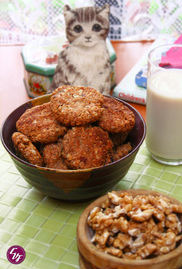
x: 82, y: 235
x: 46, y: 96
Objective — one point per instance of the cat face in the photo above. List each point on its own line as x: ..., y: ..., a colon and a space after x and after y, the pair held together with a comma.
x: 86, y: 26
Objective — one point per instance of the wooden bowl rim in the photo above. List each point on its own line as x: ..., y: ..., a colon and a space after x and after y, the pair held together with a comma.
x: 82, y: 235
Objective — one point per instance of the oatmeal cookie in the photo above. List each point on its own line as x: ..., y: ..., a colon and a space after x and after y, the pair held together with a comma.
x: 121, y: 151
x: 26, y: 149
x: 75, y: 106
x: 118, y: 138
x: 40, y: 125
x: 116, y: 117
x: 52, y: 156
x: 86, y: 147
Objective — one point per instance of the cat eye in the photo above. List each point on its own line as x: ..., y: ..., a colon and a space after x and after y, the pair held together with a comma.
x: 78, y: 28
x: 96, y: 27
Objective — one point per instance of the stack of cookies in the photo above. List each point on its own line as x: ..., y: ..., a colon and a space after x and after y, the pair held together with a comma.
x: 78, y: 129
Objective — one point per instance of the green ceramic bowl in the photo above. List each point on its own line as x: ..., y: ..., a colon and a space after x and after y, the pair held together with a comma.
x: 72, y: 185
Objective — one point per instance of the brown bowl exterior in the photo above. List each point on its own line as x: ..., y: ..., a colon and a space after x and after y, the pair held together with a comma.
x: 71, y: 185
x: 91, y: 258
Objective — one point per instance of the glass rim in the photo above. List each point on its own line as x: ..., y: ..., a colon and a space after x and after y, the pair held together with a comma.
x: 171, y: 45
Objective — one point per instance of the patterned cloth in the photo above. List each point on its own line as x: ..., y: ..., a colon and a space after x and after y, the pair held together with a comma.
x: 143, y: 19
x: 21, y: 21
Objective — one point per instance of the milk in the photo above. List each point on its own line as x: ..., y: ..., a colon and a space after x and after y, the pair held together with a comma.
x: 164, y: 114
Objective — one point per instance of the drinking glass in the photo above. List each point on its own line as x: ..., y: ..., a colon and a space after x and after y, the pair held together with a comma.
x: 164, y: 104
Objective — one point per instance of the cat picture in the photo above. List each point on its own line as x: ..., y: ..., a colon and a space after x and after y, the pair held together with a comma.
x: 85, y: 61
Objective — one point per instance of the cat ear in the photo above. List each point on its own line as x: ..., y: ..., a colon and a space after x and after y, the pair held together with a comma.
x: 105, y: 10
x: 67, y: 12
x: 66, y: 8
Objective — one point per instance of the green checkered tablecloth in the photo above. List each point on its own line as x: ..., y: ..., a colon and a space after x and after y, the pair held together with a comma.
x: 46, y: 227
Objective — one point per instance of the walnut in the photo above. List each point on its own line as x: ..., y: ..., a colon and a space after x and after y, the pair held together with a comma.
x: 165, y: 243
x: 161, y: 226
x: 141, y: 199
x: 178, y: 237
x: 146, y: 250
x: 114, y: 198
x: 101, y: 239
x: 120, y: 224
x: 134, y: 231
x: 130, y: 256
x: 101, y: 221
x: 159, y: 215
x: 114, y: 251
x: 140, y: 215
x: 176, y: 208
x: 139, y: 242
x: 173, y: 223
x: 92, y: 214
x: 106, y: 204
x: 122, y: 241
x: 115, y: 212
x: 162, y: 203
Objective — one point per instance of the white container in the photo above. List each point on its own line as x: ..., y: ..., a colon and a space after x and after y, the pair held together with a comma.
x: 40, y: 61
x: 164, y: 108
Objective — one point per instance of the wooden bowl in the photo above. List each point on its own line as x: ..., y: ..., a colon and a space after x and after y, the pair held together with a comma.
x: 92, y: 258
x: 72, y: 185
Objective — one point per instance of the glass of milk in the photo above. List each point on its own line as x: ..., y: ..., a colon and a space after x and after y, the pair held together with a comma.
x: 164, y: 104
